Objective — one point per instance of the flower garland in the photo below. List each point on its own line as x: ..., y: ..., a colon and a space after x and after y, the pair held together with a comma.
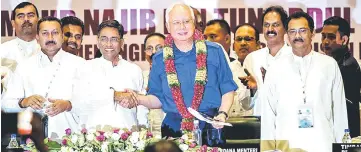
x: 174, y: 84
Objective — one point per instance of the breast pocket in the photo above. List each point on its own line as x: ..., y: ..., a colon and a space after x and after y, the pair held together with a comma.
x: 212, y: 75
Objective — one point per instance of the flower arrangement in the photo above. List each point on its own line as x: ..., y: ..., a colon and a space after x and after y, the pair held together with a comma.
x: 115, y: 140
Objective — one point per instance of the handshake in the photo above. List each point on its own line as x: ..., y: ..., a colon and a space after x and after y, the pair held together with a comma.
x: 126, y: 99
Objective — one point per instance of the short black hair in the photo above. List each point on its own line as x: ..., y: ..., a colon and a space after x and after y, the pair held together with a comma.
x: 222, y: 23
x: 48, y: 18
x: 153, y: 34
x: 22, y: 5
x: 343, y: 25
x: 278, y: 9
x: 113, y: 24
x: 247, y: 24
x: 73, y: 21
x: 301, y: 14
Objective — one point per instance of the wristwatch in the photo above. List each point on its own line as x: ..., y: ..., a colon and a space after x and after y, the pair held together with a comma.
x: 222, y: 112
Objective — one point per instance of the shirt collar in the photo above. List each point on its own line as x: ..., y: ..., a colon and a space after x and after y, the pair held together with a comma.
x: 44, y: 59
x: 279, y: 52
x: 302, y: 59
x: 109, y: 63
x: 25, y: 44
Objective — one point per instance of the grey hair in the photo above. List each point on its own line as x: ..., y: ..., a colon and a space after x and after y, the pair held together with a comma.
x: 171, y: 8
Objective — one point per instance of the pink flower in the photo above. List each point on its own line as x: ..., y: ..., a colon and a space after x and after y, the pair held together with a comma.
x: 101, y: 137
x: 84, y: 131
x: 101, y: 132
x: 215, y: 149
x: 181, y: 140
x: 149, y: 134
x: 29, y: 141
x: 204, y: 148
x: 192, y: 145
x: 116, y: 131
x: 129, y: 132
x: 124, y: 136
x: 68, y: 131
x: 64, y: 142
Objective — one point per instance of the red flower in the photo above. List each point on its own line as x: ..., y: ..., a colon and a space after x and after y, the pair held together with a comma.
x: 100, y: 137
x: 124, y: 136
x: 169, y: 66
x: 116, y: 131
x: 149, y: 134
x: 64, y: 142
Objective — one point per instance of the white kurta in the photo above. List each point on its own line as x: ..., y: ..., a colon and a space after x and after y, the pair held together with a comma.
x: 283, y: 95
x: 242, y: 96
x: 13, y: 52
x: 38, y: 75
x: 254, y: 62
x: 97, y: 97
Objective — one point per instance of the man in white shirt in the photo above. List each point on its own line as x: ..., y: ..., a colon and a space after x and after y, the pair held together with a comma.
x: 306, y: 108
x: 46, y: 77
x: 246, y: 40
x: 258, y: 62
x: 105, y: 82
x: 24, y: 18
x: 153, y: 42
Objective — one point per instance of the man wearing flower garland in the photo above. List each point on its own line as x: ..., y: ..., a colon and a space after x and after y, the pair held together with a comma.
x: 189, y: 72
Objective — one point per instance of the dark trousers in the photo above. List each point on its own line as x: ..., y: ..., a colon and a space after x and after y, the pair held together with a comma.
x: 172, y: 123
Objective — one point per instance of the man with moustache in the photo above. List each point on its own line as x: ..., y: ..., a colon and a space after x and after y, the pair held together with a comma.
x: 246, y: 40
x: 153, y: 42
x: 184, y: 54
x: 23, y: 19
x: 45, y: 81
x: 306, y: 108
x: 218, y: 30
x: 73, y: 29
x: 100, y: 99
x: 335, y: 38
x: 259, y: 61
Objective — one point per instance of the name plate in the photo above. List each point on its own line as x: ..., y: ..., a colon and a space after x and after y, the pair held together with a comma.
x: 346, y: 147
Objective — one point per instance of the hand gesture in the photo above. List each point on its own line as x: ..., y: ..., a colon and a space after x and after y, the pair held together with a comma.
x: 248, y: 80
x: 57, y: 106
x: 35, y: 101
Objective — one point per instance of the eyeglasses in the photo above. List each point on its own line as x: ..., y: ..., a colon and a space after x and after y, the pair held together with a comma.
x: 274, y: 25
x: 76, y: 37
x: 246, y: 38
x: 113, y: 40
x: 301, y: 31
x: 186, y: 23
x: 156, y: 48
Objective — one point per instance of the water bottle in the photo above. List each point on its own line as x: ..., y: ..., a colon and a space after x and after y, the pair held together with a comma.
x: 24, y: 121
x: 13, y: 143
x: 197, y: 133
x: 346, y: 138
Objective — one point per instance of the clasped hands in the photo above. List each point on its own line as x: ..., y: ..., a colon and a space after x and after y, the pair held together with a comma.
x: 126, y: 99
x: 37, y: 102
